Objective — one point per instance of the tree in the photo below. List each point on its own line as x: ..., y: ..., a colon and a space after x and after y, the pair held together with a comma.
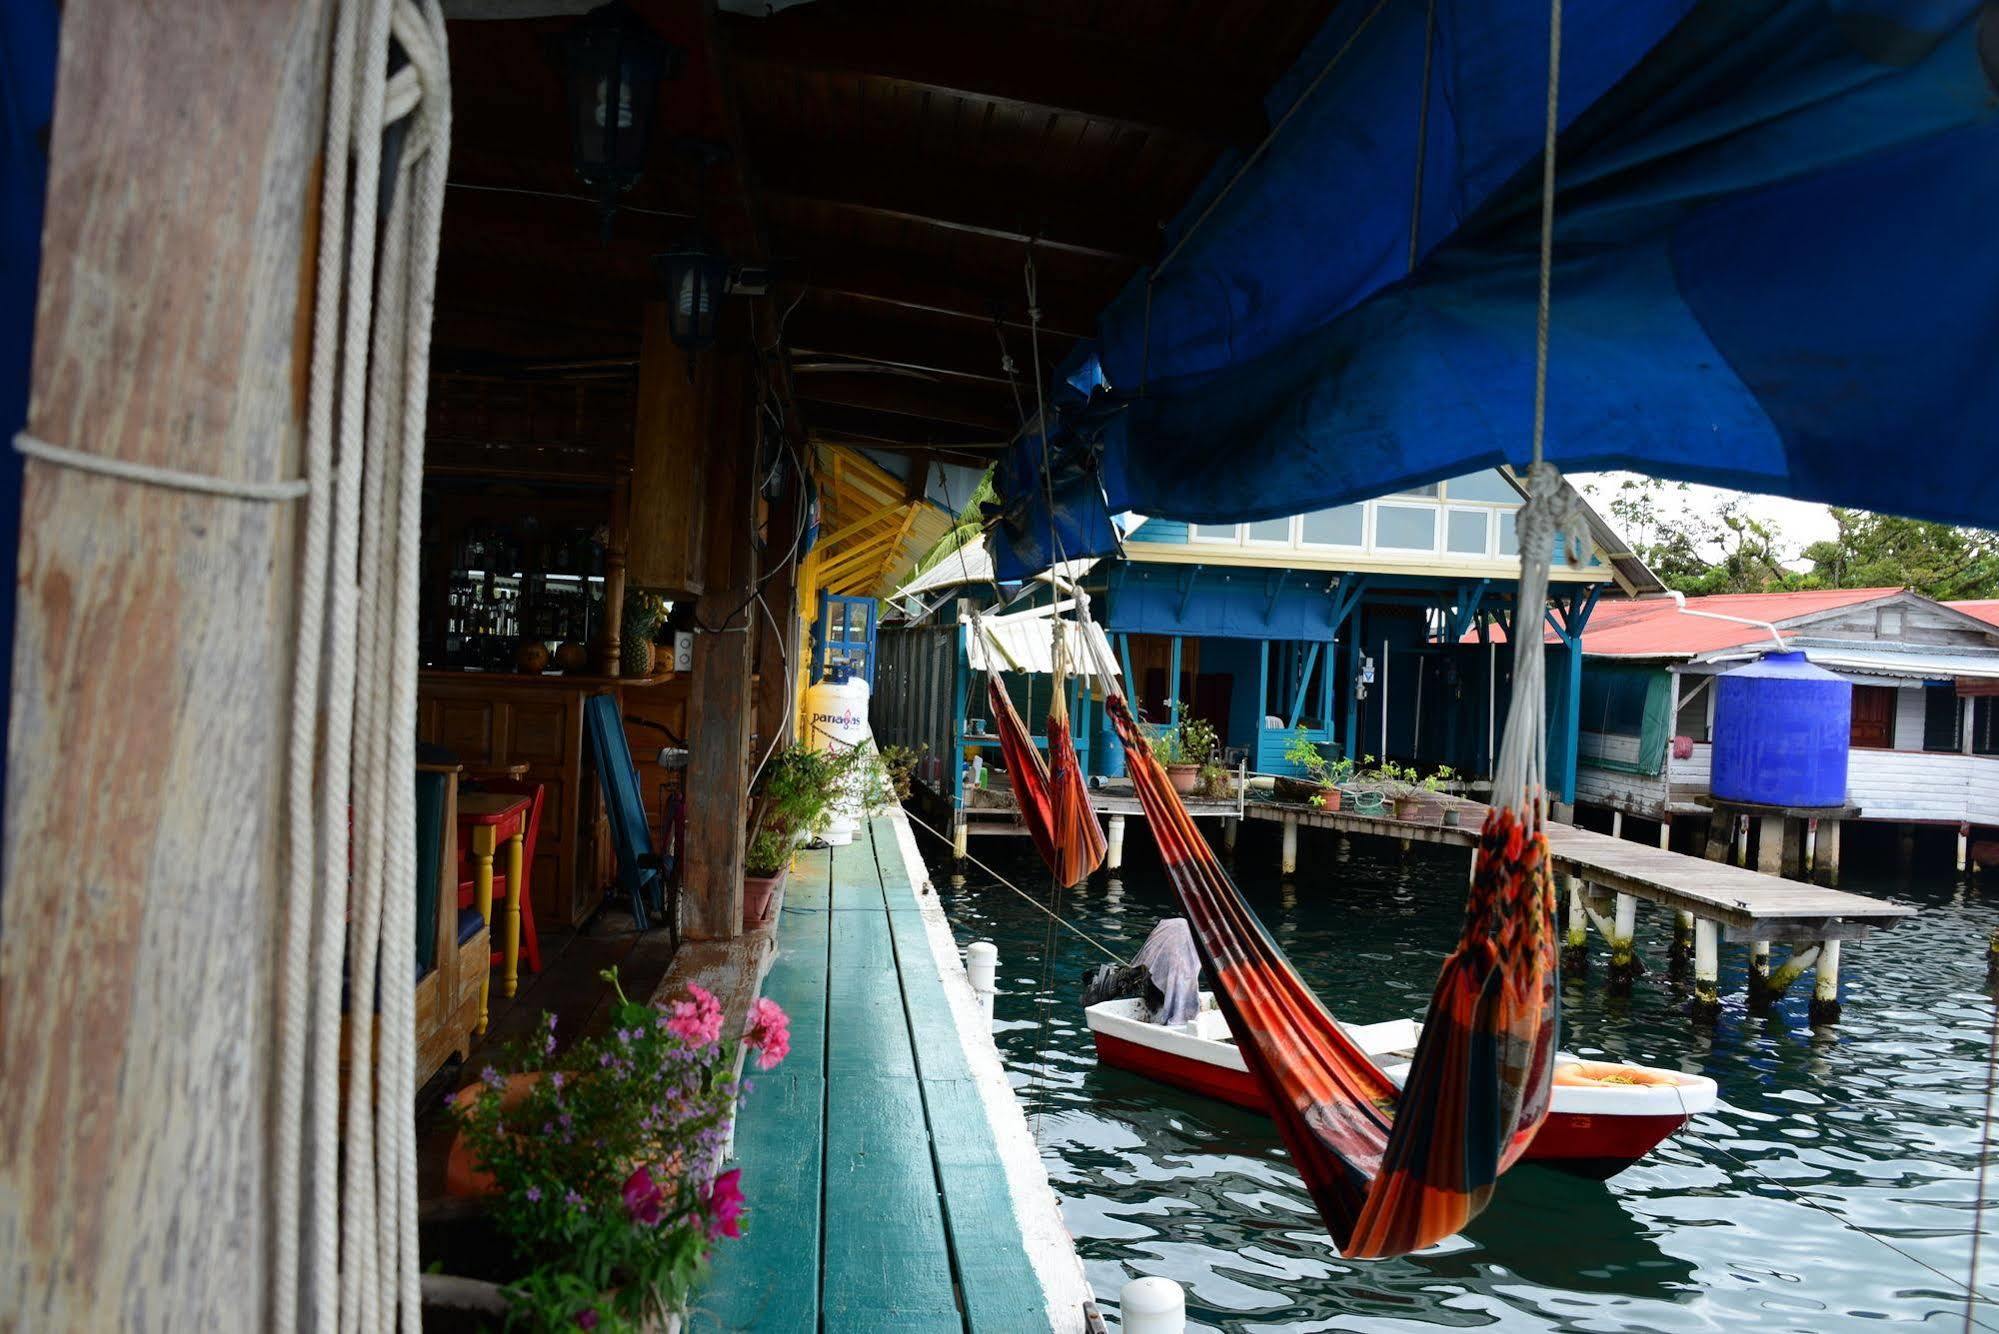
x: 1938, y: 560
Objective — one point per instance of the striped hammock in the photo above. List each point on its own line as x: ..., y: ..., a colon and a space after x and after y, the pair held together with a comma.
x: 1053, y: 800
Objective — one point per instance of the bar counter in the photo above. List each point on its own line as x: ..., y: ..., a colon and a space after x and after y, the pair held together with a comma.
x: 490, y: 720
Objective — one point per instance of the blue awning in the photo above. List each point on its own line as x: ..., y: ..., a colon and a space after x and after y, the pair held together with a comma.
x: 1774, y: 271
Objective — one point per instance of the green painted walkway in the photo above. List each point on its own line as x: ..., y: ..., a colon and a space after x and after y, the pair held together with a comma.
x: 876, y: 1195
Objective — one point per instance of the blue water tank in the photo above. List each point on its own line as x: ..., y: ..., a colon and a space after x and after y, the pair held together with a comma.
x: 1781, y: 732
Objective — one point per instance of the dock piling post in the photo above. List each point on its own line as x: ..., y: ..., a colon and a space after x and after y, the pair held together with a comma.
x: 1992, y: 960
x: 1770, y: 845
x: 1963, y: 846
x: 1706, y: 1006
x: 1682, y: 951
x: 1231, y: 826
x: 1825, y: 857
x: 1720, y: 830
x: 1575, y: 943
x: 1809, y: 870
x: 982, y: 968
x: 1825, y: 985
x: 1624, y: 965
x: 1794, y: 849
x: 1152, y: 1305
x: 1114, y: 844
x: 1289, y: 863
x: 1905, y: 849
x: 1759, y: 976
x: 1617, y: 824
x: 1739, y: 825
x: 959, y: 839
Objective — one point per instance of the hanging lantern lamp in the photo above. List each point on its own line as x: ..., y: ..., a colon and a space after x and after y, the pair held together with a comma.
x: 696, y: 274
x: 614, y: 64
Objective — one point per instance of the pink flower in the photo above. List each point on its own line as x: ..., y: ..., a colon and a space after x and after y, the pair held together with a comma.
x: 644, y: 1200
x: 769, y: 1032
x: 725, y: 1204
x: 697, y: 1020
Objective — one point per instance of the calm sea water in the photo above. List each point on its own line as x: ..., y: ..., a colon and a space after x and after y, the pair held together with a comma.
x: 1737, y: 1225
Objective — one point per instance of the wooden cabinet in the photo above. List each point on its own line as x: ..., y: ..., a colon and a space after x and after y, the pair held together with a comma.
x: 487, y: 720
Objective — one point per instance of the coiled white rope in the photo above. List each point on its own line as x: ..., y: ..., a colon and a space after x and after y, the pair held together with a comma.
x: 345, y: 1179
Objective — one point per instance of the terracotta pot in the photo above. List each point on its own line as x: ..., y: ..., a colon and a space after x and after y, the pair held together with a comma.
x: 758, y: 891
x: 1418, y: 809
x: 572, y: 657
x: 1184, y: 777
x: 531, y: 657
x: 463, y: 1177
x: 1330, y: 798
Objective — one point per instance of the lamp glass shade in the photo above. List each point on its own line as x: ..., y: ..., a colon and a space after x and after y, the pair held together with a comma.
x: 696, y: 277
x: 615, y: 63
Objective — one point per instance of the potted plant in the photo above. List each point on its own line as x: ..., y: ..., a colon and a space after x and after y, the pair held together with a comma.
x: 1414, y: 798
x: 1181, y: 749
x: 800, y: 785
x: 598, y: 1166
x: 1321, y: 785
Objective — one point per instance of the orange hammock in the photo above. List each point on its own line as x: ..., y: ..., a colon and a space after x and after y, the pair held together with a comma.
x: 1054, y: 803
x: 1385, y: 1183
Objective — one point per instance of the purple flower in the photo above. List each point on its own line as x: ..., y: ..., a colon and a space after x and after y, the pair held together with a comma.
x: 550, y: 1016
x: 556, y: 1080
x: 534, y: 1194
x: 587, y: 1318
x: 490, y: 1077
x: 571, y: 1198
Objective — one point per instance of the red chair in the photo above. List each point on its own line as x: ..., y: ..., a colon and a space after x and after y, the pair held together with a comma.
x: 530, y: 940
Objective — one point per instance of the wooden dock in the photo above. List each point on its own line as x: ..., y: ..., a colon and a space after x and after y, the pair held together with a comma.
x: 878, y: 1195
x: 1748, y: 905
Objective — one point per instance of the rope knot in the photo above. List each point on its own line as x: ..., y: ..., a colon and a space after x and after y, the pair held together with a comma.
x: 1551, y: 509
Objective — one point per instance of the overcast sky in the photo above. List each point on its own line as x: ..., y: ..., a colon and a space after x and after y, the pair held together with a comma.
x: 1798, y: 523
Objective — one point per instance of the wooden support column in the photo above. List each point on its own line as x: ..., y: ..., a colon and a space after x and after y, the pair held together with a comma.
x: 1759, y: 976
x: 1794, y: 849
x: 776, y: 634
x: 1770, y: 844
x: 719, y: 700
x: 1825, y: 857
x: 1575, y: 942
x: 1624, y: 962
x: 1289, y: 862
x: 1706, y: 1006
x: 144, y: 897
x: 1825, y: 985
x: 611, y: 655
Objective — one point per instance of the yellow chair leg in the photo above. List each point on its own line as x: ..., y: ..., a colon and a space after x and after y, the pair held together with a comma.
x: 513, y: 954
x: 482, y: 888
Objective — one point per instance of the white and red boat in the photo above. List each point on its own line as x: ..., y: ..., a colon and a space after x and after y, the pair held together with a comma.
x: 1605, y: 1115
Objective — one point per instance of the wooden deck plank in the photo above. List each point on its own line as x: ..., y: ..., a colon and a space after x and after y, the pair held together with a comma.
x: 995, y: 1275
x: 887, y: 1259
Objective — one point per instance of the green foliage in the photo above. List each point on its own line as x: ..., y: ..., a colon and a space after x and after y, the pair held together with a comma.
x: 1190, y: 741
x: 899, y: 763
x: 1215, y: 782
x: 1306, y: 753
x: 1884, y: 551
x: 968, y: 531
x: 602, y: 1168
x: 801, y: 785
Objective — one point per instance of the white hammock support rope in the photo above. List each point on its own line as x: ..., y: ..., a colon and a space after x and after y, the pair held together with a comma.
x: 345, y: 1254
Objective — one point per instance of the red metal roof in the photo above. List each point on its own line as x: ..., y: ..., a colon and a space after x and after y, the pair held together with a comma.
x: 1654, y: 627
x: 1985, y: 609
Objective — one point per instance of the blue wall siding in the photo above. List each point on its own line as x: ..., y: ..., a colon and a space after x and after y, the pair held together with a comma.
x: 1221, y: 603
x: 1170, y: 532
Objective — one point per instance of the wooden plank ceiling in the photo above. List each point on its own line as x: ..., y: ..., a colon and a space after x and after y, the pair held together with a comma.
x: 893, y: 163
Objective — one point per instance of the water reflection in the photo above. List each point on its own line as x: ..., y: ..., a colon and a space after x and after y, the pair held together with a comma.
x: 1878, y: 1121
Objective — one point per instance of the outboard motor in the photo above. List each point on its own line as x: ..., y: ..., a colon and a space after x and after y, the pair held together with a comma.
x: 1166, y: 971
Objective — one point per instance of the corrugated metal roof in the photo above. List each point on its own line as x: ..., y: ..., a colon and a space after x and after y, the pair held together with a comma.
x: 1921, y: 662
x: 1654, y: 628
x: 1985, y: 609
x: 1027, y: 641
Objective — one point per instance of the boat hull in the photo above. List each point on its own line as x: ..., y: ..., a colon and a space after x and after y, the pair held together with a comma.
x: 1592, y: 1130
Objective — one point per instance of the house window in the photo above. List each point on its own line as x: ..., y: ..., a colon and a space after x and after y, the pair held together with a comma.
x: 1467, y: 532
x: 1405, y: 527
x: 1692, y: 718
x: 1509, y: 536
x: 1943, y: 719
x: 1985, y: 725
x: 1269, y: 530
x: 1342, y: 527
x: 1214, y: 532
x: 1483, y: 488
x: 1888, y: 622
x: 1433, y: 490
x: 1873, y: 717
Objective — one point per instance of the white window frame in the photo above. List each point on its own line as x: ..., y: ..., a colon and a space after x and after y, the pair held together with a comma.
x: 1208, y: 534
x: 1436, y: 509
x: 1491, y: 515
x: 1288, y: 541
x: 1366, y: 531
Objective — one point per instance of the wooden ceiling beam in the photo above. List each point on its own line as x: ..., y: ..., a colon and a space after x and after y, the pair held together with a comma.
x: 1010, y: 62
x: 876, y: 426
x: 1048, y: 213
x: 896, y: 283
x: 961, y: 405
x: 951, y: 351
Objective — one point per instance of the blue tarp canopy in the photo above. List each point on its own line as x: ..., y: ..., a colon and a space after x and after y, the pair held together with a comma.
x: 1775, y: 270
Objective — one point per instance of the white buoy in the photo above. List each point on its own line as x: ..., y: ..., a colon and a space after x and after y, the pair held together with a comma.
x: 1289, y: 863
x: 1114, y: 844
x: 982, y: 967
x: 1152, y: 1305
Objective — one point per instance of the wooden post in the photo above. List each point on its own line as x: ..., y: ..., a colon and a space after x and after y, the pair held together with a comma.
x: 1825, y: 985
x: 1231, y: 827
x: 1624, y: 965
x: 1770, y: 845
x: 1289, y: 862
x: 144, y: 904
x: 776, y: 651
x: 719, y: 698
x: 1720, y: 833
x: 1617, y: 824
x: 1575, y: 943
x: 1794, y: 849
x: 1759, y: 975
x: 1825, y: 858
x: 611, y: 657
x: 1706, y: 1006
